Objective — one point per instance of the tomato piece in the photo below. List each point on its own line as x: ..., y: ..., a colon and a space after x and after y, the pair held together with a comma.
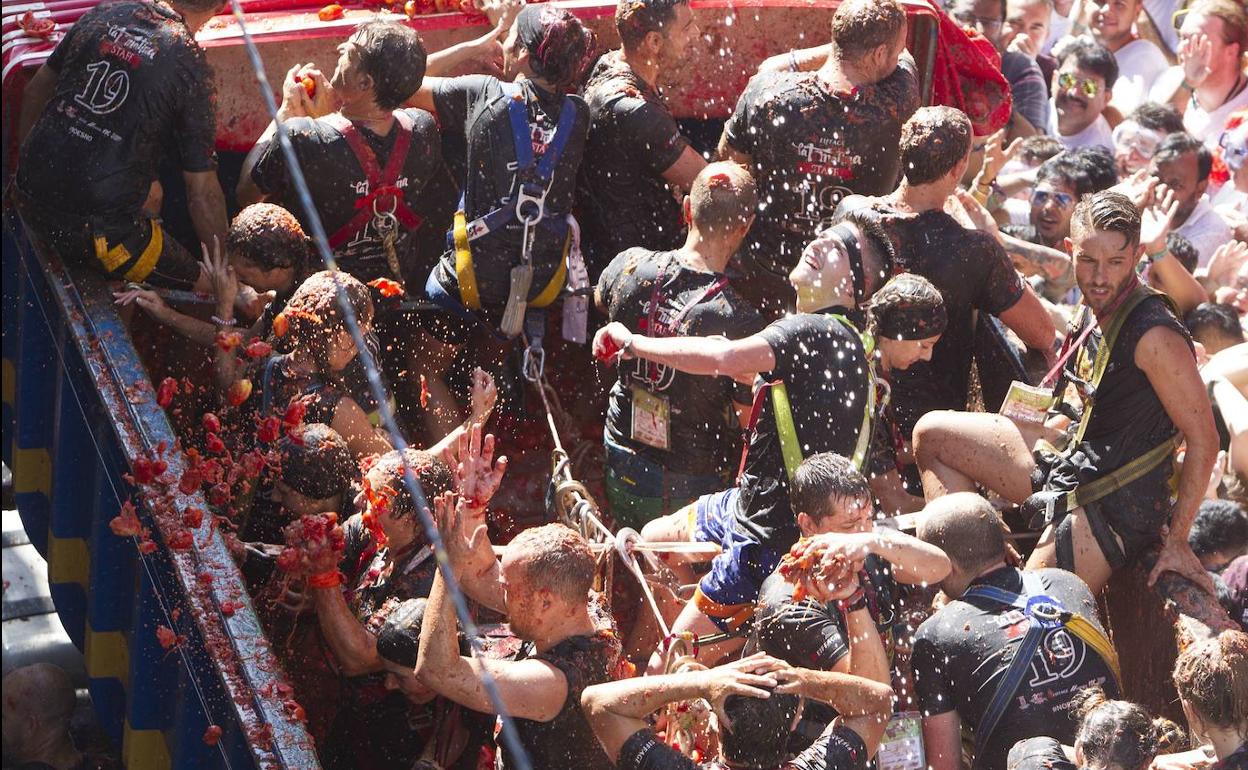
x: 330, y: 12
x: 36, y: 26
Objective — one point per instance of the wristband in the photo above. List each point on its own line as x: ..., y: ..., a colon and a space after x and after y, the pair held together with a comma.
x: 224, y: 321
x: 1154, y: 258
x: 329, y: 579
x: 857, y: 601
x: 627, y: 347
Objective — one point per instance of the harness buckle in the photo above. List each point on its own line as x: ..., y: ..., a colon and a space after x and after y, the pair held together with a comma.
x: 1045, y: 611
x: 530, y: 205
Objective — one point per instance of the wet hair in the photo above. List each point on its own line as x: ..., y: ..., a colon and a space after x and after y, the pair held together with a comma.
x: 1211, y: 677
x: 317, y: 463
x: 1220, y: 525
x: 822, y: 482
x: 908, y: 307
x: 1183, y: 250
x: 1234, y: 20
x: 634, y: 19
x: 433, y: 475
x: 750, y: 738
x: 933, y: 141
x: 1181, y: 143
x: 1215, y: 317
x: 1120, y: 734
x: 392, y: 54
x: 1085, y: 171
x: 1039, y: 148
x: 557, y: 557
x: 1092, y: 57
x: 723, y: 197
x: 1161, y: 118
x: 1108, y: 211
x: 559, y: 45
x: 398, y: 641
x: 314, y: 316
x: 966, y: 527
x: 269, y: 237
x: 861, y: 26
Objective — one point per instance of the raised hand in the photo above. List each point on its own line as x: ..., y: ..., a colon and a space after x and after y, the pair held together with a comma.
x: 478, y: 475
x: 221, y: 276
x: 1226, y: 262
x: 996, y: 154
x: 1157, y: 218
x: 484, y: 395
x: 1196, y: 53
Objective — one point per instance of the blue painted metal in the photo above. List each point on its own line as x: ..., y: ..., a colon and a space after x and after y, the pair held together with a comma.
x: 77, y: 372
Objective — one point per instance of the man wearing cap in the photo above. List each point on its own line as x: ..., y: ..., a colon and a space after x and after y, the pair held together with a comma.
x: 818, y: 395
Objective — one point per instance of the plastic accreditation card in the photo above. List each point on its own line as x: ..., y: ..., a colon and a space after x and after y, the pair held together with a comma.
x: 901, y: 748
x: 652, y: 415
x: 1027, y: 403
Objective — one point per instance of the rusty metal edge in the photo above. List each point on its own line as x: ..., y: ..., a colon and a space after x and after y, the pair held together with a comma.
x: 139, y: 428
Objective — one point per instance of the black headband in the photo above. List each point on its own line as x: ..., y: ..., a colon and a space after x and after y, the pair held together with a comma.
x: 853, y: 249
x: 910, y: 322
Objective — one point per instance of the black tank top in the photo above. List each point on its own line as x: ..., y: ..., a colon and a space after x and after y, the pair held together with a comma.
x: 567, y: 742
x: 1128, y: 419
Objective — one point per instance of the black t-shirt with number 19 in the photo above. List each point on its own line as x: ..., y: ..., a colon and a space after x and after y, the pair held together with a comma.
x: 703, y: 424
x: 962, y: 652
x: 839, y: 748
x: 131, y: 81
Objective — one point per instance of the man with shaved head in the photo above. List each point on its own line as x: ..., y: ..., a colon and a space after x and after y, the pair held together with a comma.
x: 964, y: 652
x: 38, y: 702
x: 669, y: 435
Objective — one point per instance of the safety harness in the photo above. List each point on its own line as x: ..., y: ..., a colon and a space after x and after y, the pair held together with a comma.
x: 383, y: 203
x: 1047, y: 507
x: 786, y: 428
x: 1044, y: 614
x: 526, y: 203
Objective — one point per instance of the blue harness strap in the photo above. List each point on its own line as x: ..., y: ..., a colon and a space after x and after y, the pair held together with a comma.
x: 1045, y: 614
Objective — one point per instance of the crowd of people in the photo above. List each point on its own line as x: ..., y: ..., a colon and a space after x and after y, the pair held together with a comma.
x: 923, y: 380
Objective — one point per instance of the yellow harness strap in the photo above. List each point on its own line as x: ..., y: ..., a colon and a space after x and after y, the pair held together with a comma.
x: 113, y: 259
x: 466, y: 275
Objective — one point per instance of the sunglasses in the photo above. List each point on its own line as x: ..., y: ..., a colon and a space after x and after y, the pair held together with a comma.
x: 1063, y: 200
x: 1068, y: 80
x: 983, y: 22
x: 1133, y: 137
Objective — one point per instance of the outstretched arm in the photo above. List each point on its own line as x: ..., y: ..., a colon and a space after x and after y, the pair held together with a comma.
x: 693, y: 355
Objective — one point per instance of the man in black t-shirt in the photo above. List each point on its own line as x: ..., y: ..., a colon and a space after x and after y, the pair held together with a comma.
x: 127, y: 80
x: 831, y: 411
x: 833, y: 504
x: 669, y: 434
x: 758, y: 699
x: 963, y: 652
x: 637, y: 156
x: 811, y: 138
x: 969, y: 267
x: 1102, y: 486
x: 524, y: 138
x: 364, y: 159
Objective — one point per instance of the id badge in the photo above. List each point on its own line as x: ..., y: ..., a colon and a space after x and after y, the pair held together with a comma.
x: 901, y: 748
x: 652, y: 415
x: 1026, y: 403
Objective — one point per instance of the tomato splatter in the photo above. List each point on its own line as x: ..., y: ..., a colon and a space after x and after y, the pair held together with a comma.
x: 239, y: 392
x: 387, y: 288
x: 330, y: 12
x: 227, y: 341
x: 212, y: 735
x: 126, y: 523
x: 214, y: 444
x: 424, y: 392
x: 36, y: 26
x: 165, y: 393
x: 257, y: 348
x: 281, y: 325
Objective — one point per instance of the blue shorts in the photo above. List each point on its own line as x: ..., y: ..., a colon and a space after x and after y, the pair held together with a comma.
x: 727, y: 593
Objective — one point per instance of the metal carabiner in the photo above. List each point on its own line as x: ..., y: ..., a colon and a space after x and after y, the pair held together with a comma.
x: 534, y: 364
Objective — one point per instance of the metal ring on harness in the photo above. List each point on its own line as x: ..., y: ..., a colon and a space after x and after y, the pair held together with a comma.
x: 394, y: 207
x: 526, y: 201
x: 1044, y: 611
x: 624, y: 540
x: 566, y: 497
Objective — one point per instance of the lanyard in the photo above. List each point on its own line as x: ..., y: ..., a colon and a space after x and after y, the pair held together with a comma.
x: 656, y: 297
